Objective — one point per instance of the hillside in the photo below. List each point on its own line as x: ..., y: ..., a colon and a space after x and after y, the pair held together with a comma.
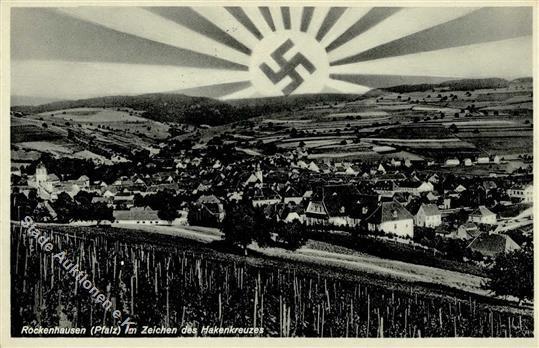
x: 156, y: 106
x: 193, y: 110
x: 455, y: 85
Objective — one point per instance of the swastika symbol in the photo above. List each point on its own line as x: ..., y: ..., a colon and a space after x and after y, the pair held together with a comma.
x: 288, y: 67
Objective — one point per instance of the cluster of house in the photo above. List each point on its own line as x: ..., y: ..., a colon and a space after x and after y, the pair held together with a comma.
x: 366, y: 195
x: 468, y: 162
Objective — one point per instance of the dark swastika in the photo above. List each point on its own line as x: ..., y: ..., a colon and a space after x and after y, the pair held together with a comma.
x: 288, y: 67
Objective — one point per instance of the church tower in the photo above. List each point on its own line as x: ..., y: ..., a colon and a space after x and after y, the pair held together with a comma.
x: 41, y: 173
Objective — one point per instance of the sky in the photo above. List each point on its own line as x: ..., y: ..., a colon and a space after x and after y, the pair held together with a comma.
x: 82, y: 52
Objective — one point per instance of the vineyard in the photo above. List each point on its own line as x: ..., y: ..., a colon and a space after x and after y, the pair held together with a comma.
x: 178, y: 286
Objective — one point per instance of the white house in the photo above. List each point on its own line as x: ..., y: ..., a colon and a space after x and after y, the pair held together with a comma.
x: 483, y: 215
x: 428, y: 215
x: 525, y: 193
x: 138, y: 215
x: 414, y: 187
x: 391, y: 217
x: 483, y: 160
x: 452, y: 162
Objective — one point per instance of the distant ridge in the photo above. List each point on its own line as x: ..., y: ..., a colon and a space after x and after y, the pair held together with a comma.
x: 458, y: 85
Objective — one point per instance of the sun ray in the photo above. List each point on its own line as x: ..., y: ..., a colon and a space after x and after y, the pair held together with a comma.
x: 380, y: 81
x: 155, y: 28
x: 249, y: 92
x: 277, y: 17
x: 285, y: 13
x: 228, y: 23
x: 306, y: 17
x: 332, y: 17
x: 191, y: 19
x: 256, y: 16
x: 369, y: 20
x: 242, y: 17
x: 424, y: 18
x: 348, y: 18
x: 471, y: 61
x: 346, y: 87
x: 266, y: 13
x: 98, y: 79
x: 483, y: 25
x: 55, y: 35
x: 215, y: 90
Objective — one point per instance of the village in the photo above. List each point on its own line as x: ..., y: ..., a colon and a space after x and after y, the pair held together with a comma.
x: 394, y: 198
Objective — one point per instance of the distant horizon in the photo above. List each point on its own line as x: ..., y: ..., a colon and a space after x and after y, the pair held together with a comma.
x: 44, y: 100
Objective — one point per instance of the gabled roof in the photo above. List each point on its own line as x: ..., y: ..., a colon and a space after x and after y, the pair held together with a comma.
x: 492, y: 244
x: 208, y: 199
x: 52, y: 177
x: 482, y: 211
x: 389, y: 211
x: 136, y: 213
x: 430, y: 209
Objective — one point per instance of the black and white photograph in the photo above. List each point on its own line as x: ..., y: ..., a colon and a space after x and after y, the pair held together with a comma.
x: 260, y: 170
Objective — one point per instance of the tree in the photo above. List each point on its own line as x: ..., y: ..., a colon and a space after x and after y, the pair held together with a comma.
x: 512, y: 274
x: 292, y: 234
x: 238, y: 225
x: 168, y: 213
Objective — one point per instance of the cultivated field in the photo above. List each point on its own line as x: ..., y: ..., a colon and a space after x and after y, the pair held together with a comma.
x: 186, y: 286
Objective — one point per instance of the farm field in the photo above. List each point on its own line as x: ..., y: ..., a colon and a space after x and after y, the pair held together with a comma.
x: 212, y: 288
x: 98, y: 115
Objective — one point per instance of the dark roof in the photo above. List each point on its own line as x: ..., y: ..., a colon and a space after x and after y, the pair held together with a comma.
x: 492, y: 244
x: 482, y: 211
x: 136, y: 213
x: 208, y: 199
x: 389, y: 211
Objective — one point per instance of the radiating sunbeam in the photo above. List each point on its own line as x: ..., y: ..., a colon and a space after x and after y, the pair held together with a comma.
x: 332, y: 17
x: 56, y: 36
x: 256, y: 17
x: 156, y: 28
x: 215, y: 90
x: 369, y: 20
x: 266, y: 13
x: 380, y: 81
x: 346, y: 87
x: 249, y: 92
x: 224, y: 20
x: 424, y: 18
x: 277, y: 17
x: 242, y: 17
x: 285, y: 12
x: 483, y: 25
x: 191, y: 19
x: 98, y: 79
x: 348, y: 18
x: 306, y: 17
x: 471, y: 61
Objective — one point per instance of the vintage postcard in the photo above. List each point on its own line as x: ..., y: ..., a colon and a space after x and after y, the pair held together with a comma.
x: 245, y: 173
